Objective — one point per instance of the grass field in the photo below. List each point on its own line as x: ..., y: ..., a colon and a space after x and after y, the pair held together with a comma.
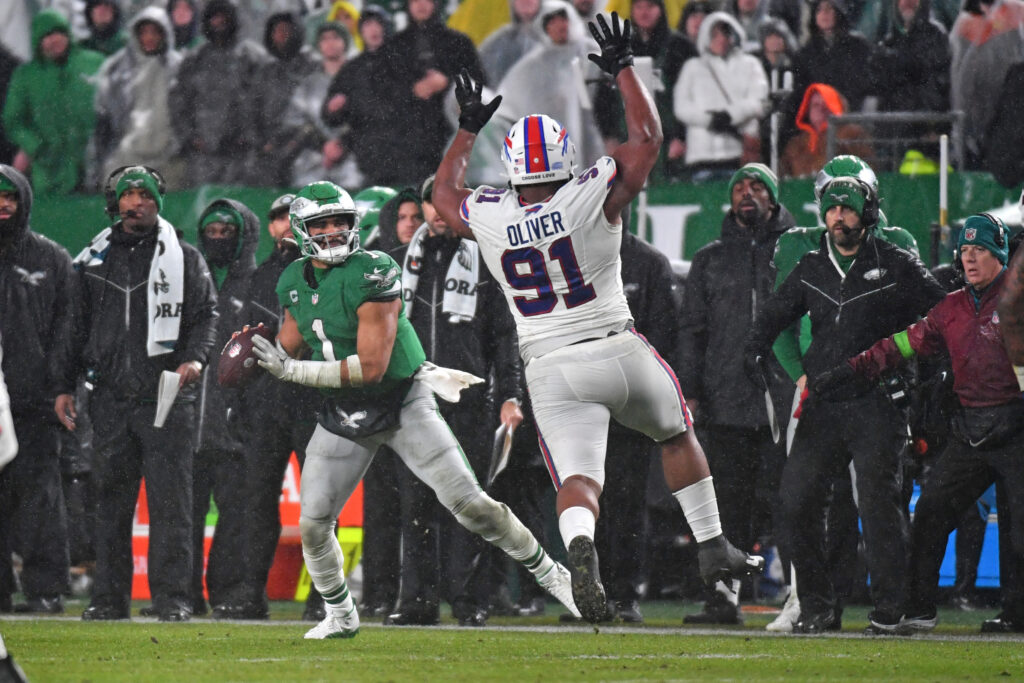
x: 508, y: 649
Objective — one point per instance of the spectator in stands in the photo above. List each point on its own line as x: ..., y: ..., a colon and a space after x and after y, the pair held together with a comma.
x: 361, y: 98
x: 752, y: 15
x: 587, y: 10
x: 806, y: 153
x: 511, y: 42
x: 48, y: 113
x: 720, y: 96
x: 148, y: 307
x: 36, y: 310
x: 103, y: 17
x: 651, y: 37
x: 729, y: 282
x: 776, y: 47
x: 228, y: 235
x: 986, y: 41
x: 275, y: 419
x: 692, y: 17
x: 15, y: 22
x: 857, y: 423
x: 457, y: 310
x: 211, y: 102
x: 793, y: 13
x: 133, y: 117
x: 185, y: 20
x: 8, y: 63
x: 833, y: 54
x: 559, y: 93
x: 910, y: 68
x: 1004, y: 136
x: 290, y: 62
x: 320, y: 152
x: 422, y: 60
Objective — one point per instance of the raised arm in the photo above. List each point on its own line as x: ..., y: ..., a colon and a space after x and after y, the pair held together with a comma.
x: 635, y: 158
x: 450, y: 181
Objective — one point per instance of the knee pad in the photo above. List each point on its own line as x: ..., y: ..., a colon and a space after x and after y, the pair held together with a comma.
x: 482, y: 515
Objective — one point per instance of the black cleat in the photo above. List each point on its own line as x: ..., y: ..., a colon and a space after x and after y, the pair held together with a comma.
x: 720, y: 561
x: 717, y: 610
x: 1002, y: 623
x: 39, y: 605
x: 818, y: 622
x: 104, y: 613
x: 587, y: 591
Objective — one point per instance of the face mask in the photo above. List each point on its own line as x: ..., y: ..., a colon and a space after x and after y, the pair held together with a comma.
x: 220, y: 252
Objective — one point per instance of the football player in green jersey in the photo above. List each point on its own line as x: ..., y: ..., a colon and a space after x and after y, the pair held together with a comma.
x: 344, y: 304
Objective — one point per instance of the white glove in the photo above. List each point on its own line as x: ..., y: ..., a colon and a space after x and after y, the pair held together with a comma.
x: 312, y: 373
x: 446, y: 382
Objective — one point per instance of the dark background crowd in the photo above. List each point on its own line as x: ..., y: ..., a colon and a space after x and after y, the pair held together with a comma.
x: 281, y: 94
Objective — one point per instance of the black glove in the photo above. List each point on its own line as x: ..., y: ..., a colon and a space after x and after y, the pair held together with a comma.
x: 756, y: 368
x: 616, y: 50
x: 473, y: 113
x: 826, y: 383
x: 721, y: 122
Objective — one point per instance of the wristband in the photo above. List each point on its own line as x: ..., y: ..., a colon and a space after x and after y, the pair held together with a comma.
x: 355, y: 370
x: 315, y: 373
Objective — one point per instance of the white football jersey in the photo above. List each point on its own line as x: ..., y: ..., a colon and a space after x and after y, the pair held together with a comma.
x: 557, y: 261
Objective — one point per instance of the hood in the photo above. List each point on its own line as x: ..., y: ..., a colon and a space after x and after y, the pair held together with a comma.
x: 45, y: 23
x: 183, y: 35
x: 842, y: 18
x: 115, y: 25
x: 379, y: 14
x: 154, y: 15
x: 577, y: 31
x: 659, y: 34
x: 704, y: 35
x: 833, y: 100
x: 514, y: 18
x: 436, y: 17
x: 227, y: 7
x: 294, y: 44
x: 246, y: 259
x: 24, y: 201
x: 776, y: 26
x: 387, y: 238
x: 921, y: 16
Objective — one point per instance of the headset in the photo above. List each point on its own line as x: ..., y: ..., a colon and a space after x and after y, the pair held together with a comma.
x: 869, y: 214
x: 999, y: 239
x: 110, y: 186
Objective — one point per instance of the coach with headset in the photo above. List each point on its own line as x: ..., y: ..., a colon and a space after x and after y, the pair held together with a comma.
x: 986, y: 429
x: 148, y: 306
x: 856, y: 289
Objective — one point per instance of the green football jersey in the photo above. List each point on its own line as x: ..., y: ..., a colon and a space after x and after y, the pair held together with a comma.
x: 324, y: 302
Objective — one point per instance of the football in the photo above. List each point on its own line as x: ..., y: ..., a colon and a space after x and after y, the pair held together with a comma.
x: 238, y: 363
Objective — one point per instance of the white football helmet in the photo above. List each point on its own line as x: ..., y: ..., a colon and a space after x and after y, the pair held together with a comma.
x: 320, y: 200
x: 537, y: 149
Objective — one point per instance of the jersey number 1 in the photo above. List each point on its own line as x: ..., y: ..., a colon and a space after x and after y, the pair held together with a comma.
x: 537, y: 279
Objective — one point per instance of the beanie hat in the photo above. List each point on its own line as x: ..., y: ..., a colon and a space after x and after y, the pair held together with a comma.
x: 759, y: 172
x: 336, y: 28
x: 137, y: 176
x: 842, y: 192
x: 985, y: 231
x: 222, y: 213
x: 427, y: 189
x: 7, y: 185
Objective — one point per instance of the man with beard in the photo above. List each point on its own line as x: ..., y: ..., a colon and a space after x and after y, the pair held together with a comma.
x: 148, y: 308
x: 730, y: 280
x: 35, y: 318
x: 856, y: 289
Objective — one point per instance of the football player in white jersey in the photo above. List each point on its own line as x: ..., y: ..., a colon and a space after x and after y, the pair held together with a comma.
x: 552, y: 241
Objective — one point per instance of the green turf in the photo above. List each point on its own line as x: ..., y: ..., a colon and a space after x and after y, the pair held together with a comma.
x: 538, y: 649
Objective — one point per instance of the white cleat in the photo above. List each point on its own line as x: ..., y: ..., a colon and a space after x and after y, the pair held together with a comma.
x: 558, y: 582
x: 788, y: 616
x: 337, y: 624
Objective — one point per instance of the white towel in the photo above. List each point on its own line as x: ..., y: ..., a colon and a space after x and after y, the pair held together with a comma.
x: 446, y: 382
x: 460, y: 301
x: 166, y: 290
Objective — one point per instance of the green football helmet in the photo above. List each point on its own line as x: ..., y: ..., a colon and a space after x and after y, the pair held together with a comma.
x: 369, y: 202
x: 320, y: 200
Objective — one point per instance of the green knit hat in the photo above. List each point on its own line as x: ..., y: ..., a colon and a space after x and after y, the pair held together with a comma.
x: 760, y: 172
x: 6, y: 184
x: 137, y: 176
x: 985, y: 231
x: 843, y: 192
x: 222, y: 213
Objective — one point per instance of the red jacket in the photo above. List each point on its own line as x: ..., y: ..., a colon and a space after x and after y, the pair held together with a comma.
x: 982, y: 374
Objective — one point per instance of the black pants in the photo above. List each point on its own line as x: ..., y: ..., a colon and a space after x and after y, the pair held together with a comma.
x: 622, y: 529
x: 434, y: 569
x: 126, y: 448
x: 869, y: 431
x: 222, y: 474
x: 960, y: 476
x: 271, y: 439
x: 32, y: 514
